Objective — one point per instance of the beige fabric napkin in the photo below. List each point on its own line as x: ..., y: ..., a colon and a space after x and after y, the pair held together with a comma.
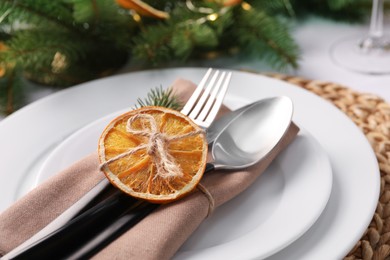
x: 159, y: 235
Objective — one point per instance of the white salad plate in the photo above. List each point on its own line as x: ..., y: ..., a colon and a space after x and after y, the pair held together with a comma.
x: 30, y: 134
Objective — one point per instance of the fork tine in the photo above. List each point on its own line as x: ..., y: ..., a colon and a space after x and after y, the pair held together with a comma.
x: 211, y: 99
x: 218, y: 102
x: 194, y: 113
x: 190, y: 103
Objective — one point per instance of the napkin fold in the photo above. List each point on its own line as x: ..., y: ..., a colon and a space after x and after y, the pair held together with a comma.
x: 160, y: 234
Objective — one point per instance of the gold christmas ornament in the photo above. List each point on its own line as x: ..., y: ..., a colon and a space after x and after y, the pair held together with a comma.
x: 3, y: 47
x: 59, y: 63
x: 246, y: 6
x: 143, y: 8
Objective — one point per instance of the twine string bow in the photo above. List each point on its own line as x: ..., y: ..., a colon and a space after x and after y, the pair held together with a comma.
x: 157, y: 146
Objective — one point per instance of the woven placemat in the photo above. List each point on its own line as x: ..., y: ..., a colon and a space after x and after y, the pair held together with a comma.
x: 372, y: 115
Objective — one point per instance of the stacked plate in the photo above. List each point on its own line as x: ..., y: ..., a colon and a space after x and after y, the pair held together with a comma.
x: 313, y: 202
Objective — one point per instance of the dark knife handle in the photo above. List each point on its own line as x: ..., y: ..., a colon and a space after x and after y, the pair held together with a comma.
x: 117, y: 228
x: 73, y: 236
x: 112, y: 232
x: 209, y: 167
x: 93, y: 229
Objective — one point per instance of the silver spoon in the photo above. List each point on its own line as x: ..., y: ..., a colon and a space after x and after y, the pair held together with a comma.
x: 244, y: 137
x: 248, y: 138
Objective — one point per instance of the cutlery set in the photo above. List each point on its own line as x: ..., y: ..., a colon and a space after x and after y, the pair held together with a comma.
x: 238, y: 140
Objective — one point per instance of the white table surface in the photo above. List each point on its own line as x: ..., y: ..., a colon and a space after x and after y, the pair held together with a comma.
x: 315, y: 36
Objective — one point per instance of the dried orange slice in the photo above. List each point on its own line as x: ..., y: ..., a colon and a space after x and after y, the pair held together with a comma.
x: 143, y: 8
x: 227, y: 2
x: 153, y: 153
x: 3, y: 47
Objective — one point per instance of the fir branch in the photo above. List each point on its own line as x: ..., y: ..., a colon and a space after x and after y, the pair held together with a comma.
x: 262, y: 36
x: 95, y: 12
x: 86, y: 11
x: 67, y: 16
x: 275, y: 7
x: 38, y: 13
x: 103, y: 21
x: 151, y: 44
x: 160, y: 97
x: 181, y: 36
x: 35, y: 49
x: 54, y: 58
x: 166, y: 5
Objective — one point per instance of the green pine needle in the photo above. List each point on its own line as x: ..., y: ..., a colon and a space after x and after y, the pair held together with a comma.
x: 264, y: 37
x: 11, y: 91
x: 160, y: 97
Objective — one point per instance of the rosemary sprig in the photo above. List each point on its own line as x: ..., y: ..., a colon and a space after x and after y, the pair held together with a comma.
x: 160, y: 97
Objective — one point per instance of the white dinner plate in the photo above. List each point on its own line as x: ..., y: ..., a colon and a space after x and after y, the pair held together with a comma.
x: 285, y: 188
x: 29, y: 134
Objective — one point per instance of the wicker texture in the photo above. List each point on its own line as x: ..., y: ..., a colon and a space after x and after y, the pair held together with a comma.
x: 372, y: 115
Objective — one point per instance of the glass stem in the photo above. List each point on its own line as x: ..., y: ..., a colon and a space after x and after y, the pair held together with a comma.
x: 376, y: 25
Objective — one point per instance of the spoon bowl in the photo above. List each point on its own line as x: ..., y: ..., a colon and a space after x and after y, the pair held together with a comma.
x: 253, y: 134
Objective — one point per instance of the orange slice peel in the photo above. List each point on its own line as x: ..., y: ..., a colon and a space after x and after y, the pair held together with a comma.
x: 153, y: 153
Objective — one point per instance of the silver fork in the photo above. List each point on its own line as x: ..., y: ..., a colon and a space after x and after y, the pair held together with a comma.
x: 202, y: 107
